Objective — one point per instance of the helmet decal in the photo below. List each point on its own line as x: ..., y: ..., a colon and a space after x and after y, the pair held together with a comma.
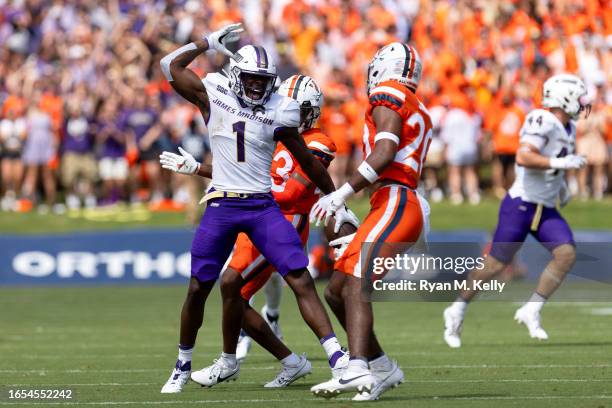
x: 262, y: 56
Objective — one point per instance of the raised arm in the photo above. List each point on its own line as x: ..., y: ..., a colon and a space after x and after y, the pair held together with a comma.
x: 185, y: 81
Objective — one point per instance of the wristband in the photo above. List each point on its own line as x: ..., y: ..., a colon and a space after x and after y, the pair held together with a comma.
x: 557, y: 163
x: 345, y: 191
x: 367, y: 172
x: 167, y: 60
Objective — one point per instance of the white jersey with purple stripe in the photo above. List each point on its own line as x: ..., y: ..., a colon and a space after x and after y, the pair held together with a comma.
x: 544, y: 131
x: 242, y: 138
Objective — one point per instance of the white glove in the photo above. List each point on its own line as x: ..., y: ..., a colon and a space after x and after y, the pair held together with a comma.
x: 572, y: 161
x: 327, y: 205
x: 182, y: 164
x: 565, y: 195
x: 340, y: 244
x: 342, y: 215
x: 217, y: 40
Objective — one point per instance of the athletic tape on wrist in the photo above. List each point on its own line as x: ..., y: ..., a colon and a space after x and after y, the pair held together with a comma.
x: 167, y: 60
x: 367, y: 171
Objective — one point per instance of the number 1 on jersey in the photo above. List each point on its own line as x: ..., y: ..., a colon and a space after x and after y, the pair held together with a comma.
x: 238, y: 128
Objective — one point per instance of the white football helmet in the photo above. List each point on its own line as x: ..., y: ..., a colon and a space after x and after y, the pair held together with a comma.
x: 398, y: 62
x: 567, y: 92
x: 252, y: 60
x: 305, y: 90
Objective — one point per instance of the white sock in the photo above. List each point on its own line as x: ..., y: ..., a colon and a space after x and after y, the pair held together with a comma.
x: 357, y: 365
x: 330, y: 345
x: 291, y: 360
x: 535, y: 302
x: 273, y: 292
x: 460, y: 305
x: 230, y: 359
x: 184, y: 354
x: 381, y: 362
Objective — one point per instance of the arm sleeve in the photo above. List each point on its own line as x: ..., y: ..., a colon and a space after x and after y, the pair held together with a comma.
x: 291, y: 193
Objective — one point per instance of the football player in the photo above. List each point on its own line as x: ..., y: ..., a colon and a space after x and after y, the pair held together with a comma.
x: 245, y: 120
x: 547, y: 150
x: 295, y: 194
x: 395, y: 142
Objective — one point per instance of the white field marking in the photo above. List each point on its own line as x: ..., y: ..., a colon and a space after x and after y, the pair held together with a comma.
x: 482, y: 398
x: 499, y: 380
x: 263, y: 354
x: 603, y: 311
x: 266, y: 368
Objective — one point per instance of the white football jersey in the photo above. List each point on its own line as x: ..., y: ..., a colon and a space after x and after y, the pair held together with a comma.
x: 544, y: 131
x: 242, y: 141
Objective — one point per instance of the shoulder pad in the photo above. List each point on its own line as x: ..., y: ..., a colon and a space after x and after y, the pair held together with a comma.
x: 389, y: 94
x: 538, y: 122
x: 319, y: 142
x: 288, y: 112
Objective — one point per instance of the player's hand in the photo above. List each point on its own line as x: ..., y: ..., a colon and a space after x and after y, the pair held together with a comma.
x: 182, y: 164
x: 326, y: 207
x: 344, y: 215
x: 217, y: 40
x: 572, y: 161
x: 340, y: 244
x: 565, y: 195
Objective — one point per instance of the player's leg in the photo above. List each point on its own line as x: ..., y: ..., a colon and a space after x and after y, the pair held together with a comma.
x: 513, y: 225
x: 273, y: 291
x: 395, y: 217
x: 210, y: 248
x: 404, y: 224
x: 279, y: 241
x: 249, y: 271
x: 293, y: 366
x: 555, y: 234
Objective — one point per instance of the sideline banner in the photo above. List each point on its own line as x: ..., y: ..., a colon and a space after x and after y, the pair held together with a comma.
x: 144, y: 256
x: 96, y: 257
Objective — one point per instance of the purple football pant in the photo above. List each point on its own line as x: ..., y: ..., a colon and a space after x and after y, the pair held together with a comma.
x: 515, y: 222
x: 261, y: 220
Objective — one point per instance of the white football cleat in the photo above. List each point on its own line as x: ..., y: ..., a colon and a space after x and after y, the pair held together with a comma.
x: 178, y: 378
x: 531, y: 318
x: 243, y: 346
x: 362, y: 383
x: 388, y: 377
x: 290, y: 373
x: 272, y: 323
x: 216, y: 373
x: 453, y: 322
x: 341, y: 364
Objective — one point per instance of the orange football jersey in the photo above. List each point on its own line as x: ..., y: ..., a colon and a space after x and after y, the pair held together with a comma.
x: 284, y: 165
x: 416, y: 134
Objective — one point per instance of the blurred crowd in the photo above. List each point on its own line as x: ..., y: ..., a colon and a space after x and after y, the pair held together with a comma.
x: 85, y: 110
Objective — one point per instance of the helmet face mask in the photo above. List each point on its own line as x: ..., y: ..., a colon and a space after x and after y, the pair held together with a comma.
x: 308, y: 115
x: 252, y: 75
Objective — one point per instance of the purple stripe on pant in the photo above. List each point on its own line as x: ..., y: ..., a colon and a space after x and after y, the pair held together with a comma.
x: 515, y: 219
x: 262, y: 221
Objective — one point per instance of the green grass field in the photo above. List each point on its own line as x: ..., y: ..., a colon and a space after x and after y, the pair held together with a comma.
x: 444, y: 216
x: 116, y: 346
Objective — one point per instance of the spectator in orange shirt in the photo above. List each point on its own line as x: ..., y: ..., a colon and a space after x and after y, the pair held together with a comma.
x: 336, y: 124
x: 507, y: 122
